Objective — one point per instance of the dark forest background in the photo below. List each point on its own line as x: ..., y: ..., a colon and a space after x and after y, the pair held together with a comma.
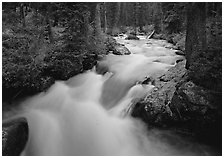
x: 44, y: 42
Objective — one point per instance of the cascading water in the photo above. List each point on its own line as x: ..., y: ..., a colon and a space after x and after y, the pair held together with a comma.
x: 83, y: 116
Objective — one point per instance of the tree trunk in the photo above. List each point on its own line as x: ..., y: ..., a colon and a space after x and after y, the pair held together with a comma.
x: 97, y: 22
x: 125, y: 14
x: 86, y: 26
x: 136, y: 17
x: 196, y: 32
x: 141, y: 16
x: 55, y: 20
x: 49, y: 29
x: 50, y: 36
x: 117, y: 16
x: 22, y: 16
x: 161, y: 18
x: 105, y: 17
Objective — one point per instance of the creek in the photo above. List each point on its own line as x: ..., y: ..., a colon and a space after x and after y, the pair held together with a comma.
x: 88, y: 114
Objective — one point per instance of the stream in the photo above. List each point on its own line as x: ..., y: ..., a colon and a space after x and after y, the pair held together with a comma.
x: 87, y: 114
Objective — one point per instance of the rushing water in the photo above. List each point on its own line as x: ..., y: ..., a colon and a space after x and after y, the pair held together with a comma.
x: 85, y: 115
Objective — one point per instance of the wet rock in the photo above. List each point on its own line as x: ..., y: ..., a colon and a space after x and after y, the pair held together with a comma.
x: 150, y: 113
x: 154, y: 108
x: 14, y: 137
x: 100, y: 57
x: 141, y: 33
x: 192, y: 98
x: 121, y: 35
x: 158, y: 36
x: 171, y: 46
x: 179, y: 52
x: 179, y: 60
x: 121, y: 50
x: 131, y: 37
x: 147, y: 80
x: 178, y: 103
x: 174, y: 74
x: 102, y: 67
x: 198, y: 110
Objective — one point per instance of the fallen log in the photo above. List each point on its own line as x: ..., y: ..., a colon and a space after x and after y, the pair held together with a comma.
x: 150, y: 35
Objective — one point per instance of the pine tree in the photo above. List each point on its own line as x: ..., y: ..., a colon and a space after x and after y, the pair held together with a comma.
x: 196, y: 33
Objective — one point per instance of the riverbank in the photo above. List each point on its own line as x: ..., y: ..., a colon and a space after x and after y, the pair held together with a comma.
x: 179, y: 103
x: 31, y: 64
x: 160, y: 107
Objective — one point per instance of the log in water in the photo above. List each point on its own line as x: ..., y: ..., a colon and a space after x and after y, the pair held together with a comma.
x: 83, y: 116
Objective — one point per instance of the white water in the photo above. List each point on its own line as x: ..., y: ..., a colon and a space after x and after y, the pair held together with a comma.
x: 84, y: 115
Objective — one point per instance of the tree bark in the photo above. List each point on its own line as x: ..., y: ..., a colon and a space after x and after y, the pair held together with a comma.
x: 136, y: 17
x: 110, y: 17
x: 196, y: 32
x: 105, y: 17
x: 50, y: 36
x: 97, y: 22
x: 22, y: 16
x: 86, y: 26
x: 117, y: 16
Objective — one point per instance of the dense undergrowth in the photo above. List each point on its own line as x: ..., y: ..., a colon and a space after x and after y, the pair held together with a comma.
x: 32, y: 63
x: 206, y: 69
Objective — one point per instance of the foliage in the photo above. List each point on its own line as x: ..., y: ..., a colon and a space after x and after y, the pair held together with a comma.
x: 62, y: 66
x: 204, y: 48
x: 174, y: 17
x: 31, y: 62
x: 42, y: 42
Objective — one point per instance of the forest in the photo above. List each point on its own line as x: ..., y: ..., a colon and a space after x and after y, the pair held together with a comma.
x: 47, y: 42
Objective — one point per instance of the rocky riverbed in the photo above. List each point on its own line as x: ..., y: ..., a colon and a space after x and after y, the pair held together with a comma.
x: 174, y: 101
x: 177, y: 102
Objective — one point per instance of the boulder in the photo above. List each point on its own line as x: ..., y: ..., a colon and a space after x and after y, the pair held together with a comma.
x: 171, y: 46
x: 100, y: 57
x: 154, y: 108
x: 198, y: 110
x: 179, y: 52
x: 131, y: 37
x: 158, y: 36
x: 177, y: 103
x: 14, y: 137
x: 102, y: 67
x: 121, y: 50
x: 190, y: 98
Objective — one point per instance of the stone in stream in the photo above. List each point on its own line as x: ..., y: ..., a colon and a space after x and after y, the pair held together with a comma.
x: 102, y: 67
x: 131, y: 37
x: 14, y: 137
x: 171, y: 46
x: 178, y: 103
x: 121, y: 50
x: 179, y: 52
x: 154, y: 108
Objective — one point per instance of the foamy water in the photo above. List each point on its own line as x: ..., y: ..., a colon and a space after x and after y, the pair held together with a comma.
x: 84, y: 115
